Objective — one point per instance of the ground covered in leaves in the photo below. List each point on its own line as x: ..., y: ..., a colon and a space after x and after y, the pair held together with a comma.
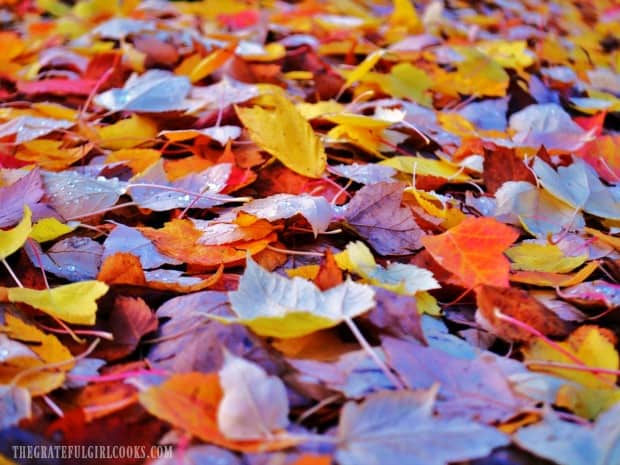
x: 353, y: 232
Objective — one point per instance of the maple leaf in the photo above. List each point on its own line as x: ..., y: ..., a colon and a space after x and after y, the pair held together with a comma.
x: 272, y: 305
x: 473, y: 251
x: 274, y: 126
x: 400, y: 428
x: 254, y: 404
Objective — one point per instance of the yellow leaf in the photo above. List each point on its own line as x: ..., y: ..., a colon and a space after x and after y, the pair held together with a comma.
x: 281, y: 130
x: 298, y: 75
x: 509, y: 54
x: 456, y: 124
x: 606, y: 238
x: 272, y: 305
x: 546, y: 279
x: 73, y: 303
x: 55, y: 7
x: 318, y: 109
x: 432, y: 203
x: 590, y: 346
x: 426, y: 303
x: 542, y: 257
x: 128, y: 133
x: 293, y: 324
x: 308, y: 272
x: 12, y: 240
x: 48, y: 350
x: 49, y: 229
x: 197, y: 68
x: 405, y: 15
x: 396, y: 277
x: 137, y: 159
x: 587, y: 402
x: 54, y: 110
x: 404, y: 81
x: 364, y: 67
x: 480, y: 75
x: 427, y: 167
x: 365, y: 138
x: 51, y: 154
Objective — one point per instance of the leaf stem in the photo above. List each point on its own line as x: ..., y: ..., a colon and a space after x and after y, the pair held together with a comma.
x: 530, y: 329
x: 12, y: 273
x: 53, y: 366
x: 373, y: 354
x: 294, y: 252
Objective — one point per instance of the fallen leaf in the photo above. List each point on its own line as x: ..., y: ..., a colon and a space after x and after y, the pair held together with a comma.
x: 546, y: 279
x: 180, y: 240
x: 254, y: 405
x: 567, y: 443
x: 152, y: 92
x: 13, y: 239
x: 473, y: 389
x: 529, y: 256
x: 517, y: 304
x: 26, y: 191
x: 473, y: 251
x: 273, y: 126
x: 399, y: 427
x: 192, y: 341
x: 73, y: 303
x: 272, y: 305
x: 396, y: 277
x: 190, y: 401
x: 15, y: 405
x: 376, y: 213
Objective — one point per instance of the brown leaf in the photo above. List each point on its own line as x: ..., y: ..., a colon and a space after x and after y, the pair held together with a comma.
x: 519, y: 305
x: 501, y: 165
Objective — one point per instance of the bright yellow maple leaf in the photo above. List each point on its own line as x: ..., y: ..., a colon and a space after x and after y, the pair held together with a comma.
x: 279, y: 129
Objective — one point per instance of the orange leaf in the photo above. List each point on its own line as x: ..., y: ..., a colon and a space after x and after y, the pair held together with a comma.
x: 180, y: 239
x: 311, y: 459
x: 122, y: 268
x: 548, y: 279
x: 330, y: 274
x: 473, y: 251
x: 190, y: 401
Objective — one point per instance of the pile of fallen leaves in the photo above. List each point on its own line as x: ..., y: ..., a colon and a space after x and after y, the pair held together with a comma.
x: 356, y: 232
